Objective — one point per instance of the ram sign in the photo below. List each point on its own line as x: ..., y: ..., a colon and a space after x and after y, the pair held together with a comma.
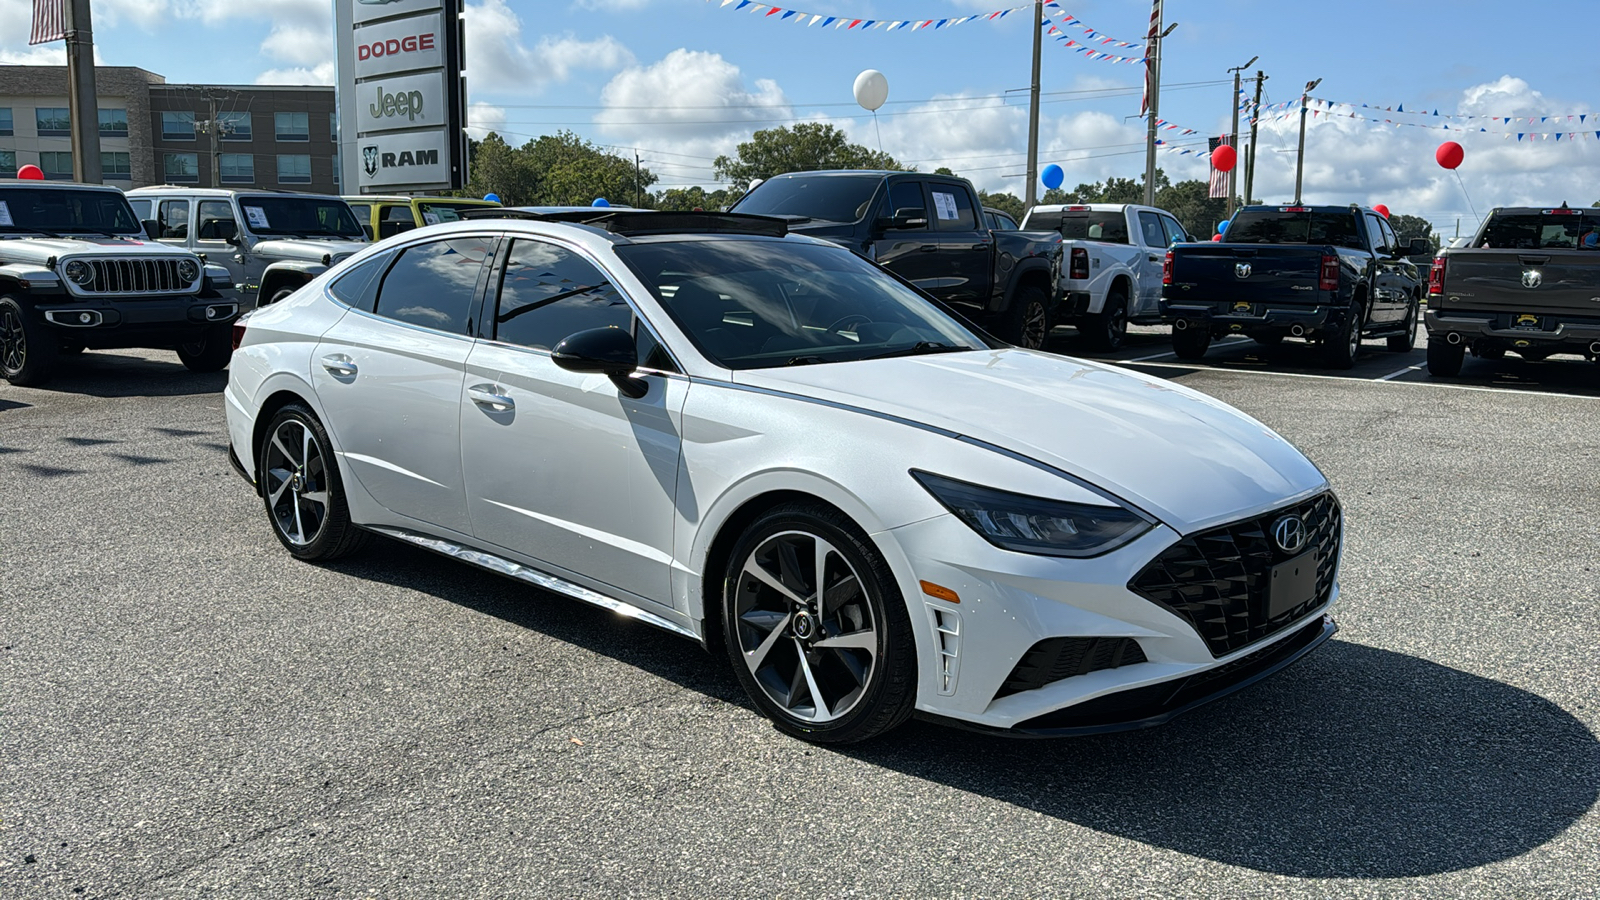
x: 402, y: 103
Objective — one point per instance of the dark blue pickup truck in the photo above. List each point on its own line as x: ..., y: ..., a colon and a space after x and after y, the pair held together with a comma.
x: 1332, y: 275
x: 929, y: 230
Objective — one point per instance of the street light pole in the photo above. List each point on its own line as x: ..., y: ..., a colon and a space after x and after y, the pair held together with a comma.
x: 1154, y: 49
x: 1235, y: 140
x: 1033, y: 107
x: 1300, y: 155
x: 85, y: 112
x: 1255, y: 120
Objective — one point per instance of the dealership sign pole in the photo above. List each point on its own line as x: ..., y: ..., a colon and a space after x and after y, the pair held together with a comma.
x: 402, y: 96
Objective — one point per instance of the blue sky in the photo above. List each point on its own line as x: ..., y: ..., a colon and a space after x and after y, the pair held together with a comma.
x: 684, y: 80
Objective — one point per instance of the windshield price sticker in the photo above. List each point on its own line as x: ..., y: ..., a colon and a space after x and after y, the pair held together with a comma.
x: 945, y: 205
x: 430, y: 218
x: 5, y: 215
x: 256, y: 216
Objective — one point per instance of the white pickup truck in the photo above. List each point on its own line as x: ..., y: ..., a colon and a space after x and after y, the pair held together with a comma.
x: 1111, y: 269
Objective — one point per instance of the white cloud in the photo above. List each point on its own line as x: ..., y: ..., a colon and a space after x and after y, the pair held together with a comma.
x: 498, y: 60
x: 611, y: 4
x: 483, y: 118
x: 321, y: 73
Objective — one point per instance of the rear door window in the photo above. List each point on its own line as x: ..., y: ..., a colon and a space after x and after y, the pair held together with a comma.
x: 1150, y: 227
x: 216, y: 220
x: 1174, y: 231
x: 173, y: 218
x: 434, y: 285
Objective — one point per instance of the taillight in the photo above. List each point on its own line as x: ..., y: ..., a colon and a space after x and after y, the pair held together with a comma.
x: 238, y: 333
x: 1328, y: 280
x: 1166, y: 269
x: 1080, y: 263
x: 1436, y: 278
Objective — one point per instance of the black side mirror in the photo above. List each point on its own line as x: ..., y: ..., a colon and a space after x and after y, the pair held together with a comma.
x: 232, y: 240
x: 909, y: 217
x: 152, y: 228
x: 1419, y: 247
x: 609, y: 351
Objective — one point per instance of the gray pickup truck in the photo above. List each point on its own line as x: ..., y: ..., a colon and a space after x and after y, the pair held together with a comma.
x: 1528, y: 283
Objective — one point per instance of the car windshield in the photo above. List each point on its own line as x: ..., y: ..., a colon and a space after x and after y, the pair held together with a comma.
x: 759, y: 303
x: 293, y: 216
x: 821, y: 198
x: 436, y: 211
x: 65, y: 211
x: 1082, y: 225
x: 1271, y: 226
x: 1533, y: 231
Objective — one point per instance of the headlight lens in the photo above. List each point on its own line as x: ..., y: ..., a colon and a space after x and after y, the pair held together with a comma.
x: 1034, y: 525
x: 188, y: 270
x: 79, y: 272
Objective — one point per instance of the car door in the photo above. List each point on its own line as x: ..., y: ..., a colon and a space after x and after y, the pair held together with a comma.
x: 1152, y: 238
x: 911, y: 253
x: 389, y: 377
x: 214, y: 226
x: 966, y: 248
x: 560, y: 466
x: 172, y: 221
x: 1408, y: 276
x: 1389, y: 290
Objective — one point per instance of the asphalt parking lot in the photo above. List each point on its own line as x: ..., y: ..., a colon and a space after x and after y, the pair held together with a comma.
x: 186, y: 711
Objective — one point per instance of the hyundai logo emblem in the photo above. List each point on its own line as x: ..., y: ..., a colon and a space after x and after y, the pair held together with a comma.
x: 1532, y: 278
x: 1241, y: 270
x: 1289, y: 533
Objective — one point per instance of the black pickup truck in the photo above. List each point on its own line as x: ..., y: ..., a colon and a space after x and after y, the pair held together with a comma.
x: 1529, y: 283
x: 929, y: 230
x: 1333, y: 275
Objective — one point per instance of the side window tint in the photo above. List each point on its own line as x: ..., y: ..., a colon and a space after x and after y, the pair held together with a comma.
x: 433, y: 284
x: 904, y: 195
x: 1375, y: 230
x: 216, y: 221
x: 548, y: 293
x: 395, y: 219
x: 173, y: 219
x: 359, y: 284
x: 1175, y: 232
x: 141, y: 208
x: 952, y: 209
x: 1150, y: 227
x: 1389, y: 237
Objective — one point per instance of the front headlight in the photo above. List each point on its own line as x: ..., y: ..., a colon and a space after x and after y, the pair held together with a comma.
x: 188, y: 270
x: 79, y: 272
x: 1035, y: 525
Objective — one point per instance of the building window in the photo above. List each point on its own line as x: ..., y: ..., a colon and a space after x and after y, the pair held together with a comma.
x: 238, y: 168
x: 333, y: 127
x: 114, y: 123
x: 57, y: 165
x: 177, y: 126
x: 5, y: 121
x: 53, y: 121
x: 181, y: 168
x: 115, y: 166
x: 235, y: 126
x: 292, y: 126
x: 338, y: 177
x: 294, y: 169
x: 8, y: 163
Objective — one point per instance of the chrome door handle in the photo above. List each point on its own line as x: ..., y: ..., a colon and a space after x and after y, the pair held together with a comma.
x: 1153, y: 258
x: 339, y: 365
x: 486, y: 395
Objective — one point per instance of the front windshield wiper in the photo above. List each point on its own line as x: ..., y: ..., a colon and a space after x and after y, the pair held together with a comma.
x: 921, y: 347
x: 804, y: 360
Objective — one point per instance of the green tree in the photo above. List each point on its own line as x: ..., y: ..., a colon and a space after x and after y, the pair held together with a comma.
x: 1408, y: 227
x: 573, y: 172
x: 695, y: 198
x: 1007, y: 203
x: 1191, y: 204
x: 805, y: 147
x: 496, y: 168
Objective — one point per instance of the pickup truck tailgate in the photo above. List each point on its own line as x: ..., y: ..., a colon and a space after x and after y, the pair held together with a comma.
x: 1547, y: 280
x: 1245, y: 272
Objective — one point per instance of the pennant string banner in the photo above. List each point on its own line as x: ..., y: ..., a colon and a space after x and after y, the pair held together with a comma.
x: 858, y: 23
x: 1420, y: 110
x: 1099, y: 38
x: 1332, y: 109
x: 1077, y: 46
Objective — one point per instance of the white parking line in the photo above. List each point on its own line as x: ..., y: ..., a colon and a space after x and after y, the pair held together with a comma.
x: 1399, y: 373
x: 1144, y: 358
x: 1347, y: 379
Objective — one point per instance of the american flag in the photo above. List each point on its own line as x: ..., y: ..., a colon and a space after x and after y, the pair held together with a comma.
x: 1150, y: 55
x: 1218, y: 186
x: 49, y: 21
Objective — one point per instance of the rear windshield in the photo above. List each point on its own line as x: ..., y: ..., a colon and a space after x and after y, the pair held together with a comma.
x: 1536, y: 231
x: 72, y: 211
x: 436, y: 211
x: 1108, y: 227
x: 1269, y: 226
x: 826, y: 198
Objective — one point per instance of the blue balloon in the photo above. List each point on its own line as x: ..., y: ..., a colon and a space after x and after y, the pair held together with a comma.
x: 600, y: 201
x: 1052, y: 176
x: 1223, y: 228
x: 492, y: 197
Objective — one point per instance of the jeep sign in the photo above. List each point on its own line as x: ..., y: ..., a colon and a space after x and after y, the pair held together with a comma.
x: 402, y: 102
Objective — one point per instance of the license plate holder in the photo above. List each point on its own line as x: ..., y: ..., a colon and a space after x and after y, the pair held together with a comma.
x: 1240, y: 308
x: 1291, y: 583
x: 1527, y: 323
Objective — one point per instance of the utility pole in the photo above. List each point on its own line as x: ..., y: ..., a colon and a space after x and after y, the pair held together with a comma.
x: 1300, y: 155
x: 638, y: 184
x: 1033, y: 108
x: 84, y: 105
x: 1154, y: 49
x: 1255, y: 120
x: 1235, y: 144
x: 214, y: 127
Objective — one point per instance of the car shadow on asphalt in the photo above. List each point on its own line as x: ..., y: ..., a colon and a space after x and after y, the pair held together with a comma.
x: 121, y: 374
x: 1355, y: 762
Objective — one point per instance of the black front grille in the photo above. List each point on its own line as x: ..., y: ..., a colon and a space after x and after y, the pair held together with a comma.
x: 1217, y: 580
x: 1053, y: 659
x: 135, y: 276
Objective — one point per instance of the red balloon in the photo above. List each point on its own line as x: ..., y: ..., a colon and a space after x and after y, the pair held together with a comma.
x: 1449, y: 154
x: 32, y: 173
x: 1381, y: 210
x: 1224, y: 158
x: 1216, y: 237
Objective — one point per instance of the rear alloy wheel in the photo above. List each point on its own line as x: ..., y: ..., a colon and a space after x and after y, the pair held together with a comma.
x: 1402, y: 343
x: 1108, y: 329
x: 1191, y: 342
x: 301, y: 487
x: 27, y: 350
x: 816, y: 628
x: 1028, y: 322
x: 211, y: 352
x: 1445, y: 359
x: 1343, y: 348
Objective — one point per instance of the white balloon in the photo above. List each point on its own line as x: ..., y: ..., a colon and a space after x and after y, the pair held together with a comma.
x: 871, y: 89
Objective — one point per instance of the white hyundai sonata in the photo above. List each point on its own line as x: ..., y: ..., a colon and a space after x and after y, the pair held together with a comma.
x: 765, y: 443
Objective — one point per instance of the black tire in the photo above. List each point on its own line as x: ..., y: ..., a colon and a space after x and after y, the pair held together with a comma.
x: 1402, y: 343
x: 211, y: 352
x: 292, y: 473
x: 1028, y: 319
x: 1191, y: 342
x: 1445, y: 359
x: 1108, y: 329
x: 281, y: 294
x: 1268, y: 338
x: 881, y: 690
x: 28, y: 349
x: 1341, y: 349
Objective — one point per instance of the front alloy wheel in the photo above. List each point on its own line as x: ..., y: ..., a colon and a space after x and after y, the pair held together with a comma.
x: 27, y: 352
x: 302, y: 491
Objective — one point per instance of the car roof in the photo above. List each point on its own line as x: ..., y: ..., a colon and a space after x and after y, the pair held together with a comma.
x: 401, y: 198
x: 223, y: 192
x: 63, y: 185
x: 596, y: 237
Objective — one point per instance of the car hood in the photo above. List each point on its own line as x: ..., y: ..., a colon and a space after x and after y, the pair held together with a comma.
x: 307, y: 249
x: 37, y: 250
x: 1190, y: 460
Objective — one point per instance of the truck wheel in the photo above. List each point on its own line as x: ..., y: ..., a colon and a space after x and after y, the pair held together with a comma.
x: 1343, y: 347
x: 1445, y: 359
x: 281, y: 294
x: 1028, y: 320
x: 211, y: 352
x: 1191, y: 343
x: 1402, y: 343
x: 1107, y: 329
x: 27, y: 350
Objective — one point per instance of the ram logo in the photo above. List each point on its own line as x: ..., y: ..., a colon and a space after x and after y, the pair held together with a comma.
x: 1241, y: 270
x: 369, y: 160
